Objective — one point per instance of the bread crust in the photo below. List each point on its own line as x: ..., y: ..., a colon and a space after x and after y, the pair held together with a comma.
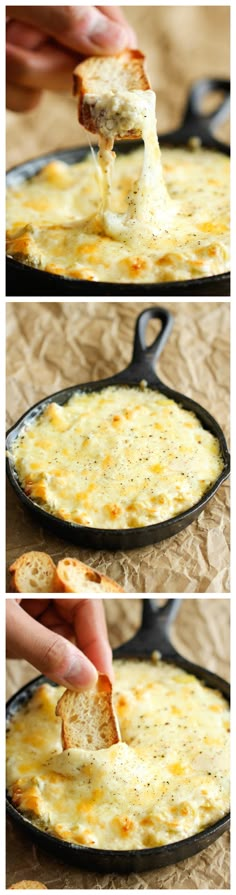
x: 28, y: 884
x: 23, y: 567
x: 58, y: 577
x: 107, y: 585
x: 131, y: 62
x: 88, y: 719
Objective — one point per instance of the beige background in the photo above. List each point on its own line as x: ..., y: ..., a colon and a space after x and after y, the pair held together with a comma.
x: 52, y: 345
x: 182, y: 43
x: 201, y: 633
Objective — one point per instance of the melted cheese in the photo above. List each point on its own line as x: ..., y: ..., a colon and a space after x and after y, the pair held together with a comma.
x: 149, y: 207
x: 118, y: 458
x: 148, y: 227
x: 166, y: 780
x: 115, y: 114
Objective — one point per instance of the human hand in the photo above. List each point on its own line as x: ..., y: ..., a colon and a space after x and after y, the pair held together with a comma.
x: 41, y: 631
x: 44, y: 43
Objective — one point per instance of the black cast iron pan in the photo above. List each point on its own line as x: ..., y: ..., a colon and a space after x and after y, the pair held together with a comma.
x: 153, y: 635
x: 24, y: 280
x: 142, y: 367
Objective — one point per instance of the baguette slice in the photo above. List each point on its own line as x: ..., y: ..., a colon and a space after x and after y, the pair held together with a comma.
x: 109, y: 77
x: 88, y: 720
x: 76, y: 578
x: 28, y: 884
x: 34, y: 572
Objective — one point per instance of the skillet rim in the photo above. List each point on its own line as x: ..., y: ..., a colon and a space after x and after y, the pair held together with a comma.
x: 104, y: 284
x: 116, y: 532
x: 163, y: 850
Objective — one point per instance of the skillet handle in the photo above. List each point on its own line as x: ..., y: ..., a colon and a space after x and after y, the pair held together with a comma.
x: 159, y: 615
x: 154, y: 631
x: 196, y: 122
x: 146, y: 355
x: 199, y: 91
x: 159, y: 619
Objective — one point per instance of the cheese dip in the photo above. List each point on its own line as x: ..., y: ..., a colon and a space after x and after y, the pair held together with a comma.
x: 154, y: 231
x: 117, y: 458
x: 166, y: 780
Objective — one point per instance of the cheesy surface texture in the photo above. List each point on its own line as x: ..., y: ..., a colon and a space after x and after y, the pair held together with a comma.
x: 152, y: 230
x: 118, y: 458
x: 167, y: 779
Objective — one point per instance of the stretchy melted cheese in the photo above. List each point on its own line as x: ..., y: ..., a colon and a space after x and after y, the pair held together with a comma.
x: 143, y: 229
x: 168, y: 779
x: 118, y: 458
x: 149, y: 208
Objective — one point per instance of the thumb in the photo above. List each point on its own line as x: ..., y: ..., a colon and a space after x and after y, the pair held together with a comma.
x: 84, y: 29
x: 52, y: 654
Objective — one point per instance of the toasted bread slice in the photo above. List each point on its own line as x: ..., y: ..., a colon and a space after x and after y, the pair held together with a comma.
x: 88, y: 720
x: 28, y: 884
x: 102, y: 84
x: 97, y: 74
x: 34, y: 572
x: 76, y: 578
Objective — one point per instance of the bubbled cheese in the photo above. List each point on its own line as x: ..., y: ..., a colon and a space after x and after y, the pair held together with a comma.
x: 166, y: 780
x: 119, y: 458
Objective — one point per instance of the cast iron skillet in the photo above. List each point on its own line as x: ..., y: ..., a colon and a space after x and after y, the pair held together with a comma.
x: 142, y: 367
x: 24, y: 280
x: 153, y: 635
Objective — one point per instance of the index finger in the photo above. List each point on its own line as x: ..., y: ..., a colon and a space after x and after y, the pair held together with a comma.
x: 90, y: 631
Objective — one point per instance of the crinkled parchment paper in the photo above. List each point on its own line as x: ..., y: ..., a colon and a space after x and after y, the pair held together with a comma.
x: 56, y: 344
x: 201, y: 633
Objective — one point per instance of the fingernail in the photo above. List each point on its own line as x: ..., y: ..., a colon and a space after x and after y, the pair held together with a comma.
x: 108, y: 35
x: 80, y: 675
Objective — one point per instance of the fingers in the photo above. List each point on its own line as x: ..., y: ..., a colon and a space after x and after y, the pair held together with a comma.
x: 35, y: 606
x: 115, y: 13
x: 47, y: 614
x: 54, y: 656
x: 29, y: 639
x: 85, y: 29
x: 48, y: 68
x: 21, y: 99
x: 90, y: 630
x: 35, y: 62
x: 91, y: 634
x: 24, y: 35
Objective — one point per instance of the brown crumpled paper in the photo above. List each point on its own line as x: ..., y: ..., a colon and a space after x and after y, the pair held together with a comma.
x: 201, y: 633
x: 55, y: 344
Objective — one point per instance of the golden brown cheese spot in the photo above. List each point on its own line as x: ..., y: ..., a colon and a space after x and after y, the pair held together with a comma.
x: 166, y: 780
x: 134, y: 267
x: 113, y: 511
x: 121, y: 703
x: 124, y: 825
x: 119, y: 458
x: 176, y: 768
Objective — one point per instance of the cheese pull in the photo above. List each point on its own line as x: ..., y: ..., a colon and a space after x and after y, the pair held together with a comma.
x: 110, y: 90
